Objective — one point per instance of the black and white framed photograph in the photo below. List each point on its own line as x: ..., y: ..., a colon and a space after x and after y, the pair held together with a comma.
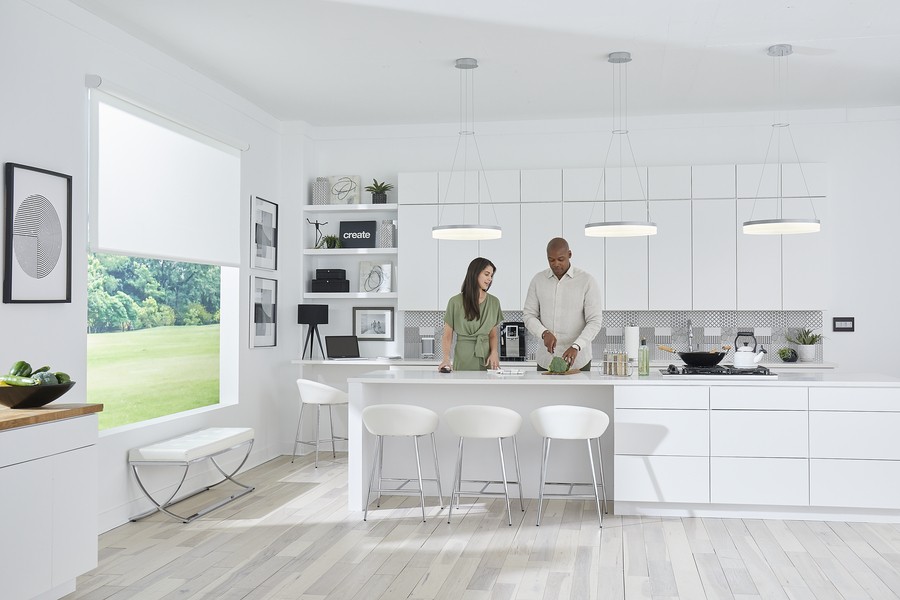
x: 263, y: 308
x: 373, y: 323
x: 38, y: 249
x: 265, y: 234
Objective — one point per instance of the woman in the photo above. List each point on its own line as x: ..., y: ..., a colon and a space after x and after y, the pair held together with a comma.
x: 473, y: 315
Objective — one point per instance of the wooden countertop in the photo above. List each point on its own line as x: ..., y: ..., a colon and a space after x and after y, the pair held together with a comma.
x: 10, y: 418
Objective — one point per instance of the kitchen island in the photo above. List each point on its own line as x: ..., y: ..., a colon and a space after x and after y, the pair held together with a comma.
x: 805, y: 445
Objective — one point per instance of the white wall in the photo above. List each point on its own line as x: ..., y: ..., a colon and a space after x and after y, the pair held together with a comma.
x: 859, y: 146
x: 50, y: 45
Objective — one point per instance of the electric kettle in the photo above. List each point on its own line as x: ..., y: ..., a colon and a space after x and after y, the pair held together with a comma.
x: 746, y: 357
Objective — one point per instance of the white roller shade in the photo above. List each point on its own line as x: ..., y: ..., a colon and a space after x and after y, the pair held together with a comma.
x: 159, y: 189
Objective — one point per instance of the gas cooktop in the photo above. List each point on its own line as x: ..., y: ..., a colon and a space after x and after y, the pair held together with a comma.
x: 718, y: 371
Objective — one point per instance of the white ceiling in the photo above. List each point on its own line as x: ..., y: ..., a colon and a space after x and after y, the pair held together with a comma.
x: 359, y: 62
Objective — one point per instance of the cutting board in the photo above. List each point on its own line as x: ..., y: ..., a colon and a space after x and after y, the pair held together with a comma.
x: 570, y: 372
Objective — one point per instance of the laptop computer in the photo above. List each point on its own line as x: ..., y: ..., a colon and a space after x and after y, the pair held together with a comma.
x: 342, y: 347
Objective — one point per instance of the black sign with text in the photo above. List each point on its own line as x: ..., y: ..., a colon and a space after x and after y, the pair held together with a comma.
x: 357, y: 234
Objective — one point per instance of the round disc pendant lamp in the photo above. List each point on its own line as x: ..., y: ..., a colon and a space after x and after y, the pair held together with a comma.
x: 477, y: 230
x: 779, y: 225
x: 621, y: 228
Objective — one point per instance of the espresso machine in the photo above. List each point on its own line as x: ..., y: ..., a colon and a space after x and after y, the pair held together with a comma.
x: 512, y: 340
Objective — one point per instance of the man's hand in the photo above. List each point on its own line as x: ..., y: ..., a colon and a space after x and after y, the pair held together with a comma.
x: 549, y: 341
x: 570, y: 354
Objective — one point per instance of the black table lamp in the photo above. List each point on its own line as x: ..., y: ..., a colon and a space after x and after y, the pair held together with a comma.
x: 312, y: 315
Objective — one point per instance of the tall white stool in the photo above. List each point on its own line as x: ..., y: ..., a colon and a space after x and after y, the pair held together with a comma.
x: 571, y: 423
x: 484, y: 422
x: 319, y: 394
x: 400, y: 420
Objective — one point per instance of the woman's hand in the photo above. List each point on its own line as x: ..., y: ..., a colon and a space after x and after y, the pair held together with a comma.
x: 444, y: 367
x: 493, y: 361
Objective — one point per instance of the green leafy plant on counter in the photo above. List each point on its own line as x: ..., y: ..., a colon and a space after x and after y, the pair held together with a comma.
x: 379, y: 188
x: 329, y: 241
x: 788, y: 354
x: 805, y: 337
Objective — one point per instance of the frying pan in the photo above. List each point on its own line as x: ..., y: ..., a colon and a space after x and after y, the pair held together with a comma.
x: 697, y: 359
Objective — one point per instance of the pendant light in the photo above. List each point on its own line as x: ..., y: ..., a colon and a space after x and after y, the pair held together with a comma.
x: 466, y: 231
x: 620, y: 61
x: 779, y: 225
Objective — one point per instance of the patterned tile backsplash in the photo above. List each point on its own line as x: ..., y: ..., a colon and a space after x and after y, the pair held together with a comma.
x: 711, y: 328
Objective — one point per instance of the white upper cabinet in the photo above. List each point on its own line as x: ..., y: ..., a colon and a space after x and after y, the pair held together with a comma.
x: 460, y: 187
x: 805, y: 179
x: 763, y: 178
x: 417, y: 188
x: 504, y: 253
x: 588, y: 253
x: 626, y: 284
x: 453, y: 256
x: 542, y: 185
x: 541, y: 222
x: 670, y: 255
x: 499, y: 186
x: 713, y: 181
x: 669, y: 183
x: 804, y: 258
x: 714, y: 254
x: 417, y: 255
x: 583, y: 185
x: 758, y: 265
x: 626, y: 183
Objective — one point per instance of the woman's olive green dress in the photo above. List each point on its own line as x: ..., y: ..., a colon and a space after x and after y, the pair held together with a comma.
x: 472, y: 344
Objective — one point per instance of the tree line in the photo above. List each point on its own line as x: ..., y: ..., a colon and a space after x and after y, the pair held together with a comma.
x: 126, y: 293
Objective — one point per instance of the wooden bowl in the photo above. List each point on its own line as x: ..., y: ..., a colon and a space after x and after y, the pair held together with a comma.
x: 32, y: 396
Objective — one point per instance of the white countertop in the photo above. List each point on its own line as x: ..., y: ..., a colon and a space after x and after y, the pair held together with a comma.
x: 530, y: 364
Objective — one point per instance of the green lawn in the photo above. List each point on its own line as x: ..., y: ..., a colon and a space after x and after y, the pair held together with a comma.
x: 139, y: 375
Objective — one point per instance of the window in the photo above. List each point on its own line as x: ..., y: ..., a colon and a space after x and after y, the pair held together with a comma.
x: 162, y: 277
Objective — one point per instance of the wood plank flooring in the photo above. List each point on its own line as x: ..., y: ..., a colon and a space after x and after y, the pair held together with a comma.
x: 293, y: 538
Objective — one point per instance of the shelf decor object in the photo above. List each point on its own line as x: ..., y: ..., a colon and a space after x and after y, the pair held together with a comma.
x: 780, y: 225
x: 320, y: 191
x: 38, y: 248
x: 620, y: 228
x: 264, y: 307
x: 344, y: 189
x: 312, y: 315
x: 467, y: 231
x: 373, y: 323
x: 265, y: 234
x: 375, y: 277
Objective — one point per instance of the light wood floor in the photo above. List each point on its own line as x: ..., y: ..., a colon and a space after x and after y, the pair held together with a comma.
x: 293, y: 538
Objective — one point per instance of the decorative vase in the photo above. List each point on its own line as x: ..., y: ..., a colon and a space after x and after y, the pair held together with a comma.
x: 807, y: 353
x: 379, y: 197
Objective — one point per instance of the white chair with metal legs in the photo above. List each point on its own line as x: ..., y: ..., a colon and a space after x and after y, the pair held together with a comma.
x: 571, y: 423
x: 400, y: 420
x: 485, y: 422
x: 319, y: 394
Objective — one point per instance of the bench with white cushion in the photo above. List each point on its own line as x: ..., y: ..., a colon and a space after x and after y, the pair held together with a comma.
x: 185, y: 450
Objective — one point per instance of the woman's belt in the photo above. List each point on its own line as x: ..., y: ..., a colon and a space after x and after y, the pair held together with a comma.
x: 482, y: 345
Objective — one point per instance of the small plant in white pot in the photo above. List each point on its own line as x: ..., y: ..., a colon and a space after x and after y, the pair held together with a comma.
x: 806, y: 342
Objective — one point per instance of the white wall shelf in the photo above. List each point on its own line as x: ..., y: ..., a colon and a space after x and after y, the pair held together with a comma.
x: 346, y: 251
x: 350, y: 295
x: 392, y: 207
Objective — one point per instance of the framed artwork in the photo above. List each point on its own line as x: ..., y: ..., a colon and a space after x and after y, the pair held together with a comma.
x: 375, y: 276
x: 373, y: 323
x: 38, y: 249
x: 344, y: 189
x: 263, y: 308
x: 265, y: 234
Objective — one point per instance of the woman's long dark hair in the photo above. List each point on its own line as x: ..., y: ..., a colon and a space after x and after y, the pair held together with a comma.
x: 470, y: 290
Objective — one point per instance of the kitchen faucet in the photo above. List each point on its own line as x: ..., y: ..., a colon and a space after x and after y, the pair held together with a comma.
x: 690, y: 337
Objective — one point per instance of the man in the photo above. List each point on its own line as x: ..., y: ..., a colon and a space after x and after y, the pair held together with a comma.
x: 562, y: 308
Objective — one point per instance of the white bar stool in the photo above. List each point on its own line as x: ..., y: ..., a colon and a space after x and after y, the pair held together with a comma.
x: 571, y: 423
x: 484, y: 422
x: 396, y: 420
x: 313, y: 392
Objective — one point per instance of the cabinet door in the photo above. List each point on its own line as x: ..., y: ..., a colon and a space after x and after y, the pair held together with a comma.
x: 661, y: 479
x: 758, y: 181
x: 662, y: 432
x: 738, y: 433
x: 501, y: 186
x: 856, y: 483
x: 542, y: 185
x: 453, y: 257
x: 417, y: 188
x: 669, y: 183
x: 758, y: 265
x: 504, y: 253
x: 583, y: 185
x: 854, y: 435
x: 417, y: 254
x: 761, y: 481
x: 804, y: 180
x: 626, y: 261
x: 25, y: 520
x: 74, y: 513
x: 713, y: 181
x: 714, y: 254
x: 541, y: 222
x: 669, y: 261
x: 587, y: 252
x: 460, y: 187
x: 626, y: 183
x: 804, y: 258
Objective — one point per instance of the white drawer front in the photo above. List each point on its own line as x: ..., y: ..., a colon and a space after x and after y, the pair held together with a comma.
x: 854, y: 435
x: 662, y: 432
x: 684, y: 397
x: 758, y: 433
x: 661, y: 479
x: 854, y: 483
x: 767, y: 481
x: 858, y: 399
x: 755, y: 398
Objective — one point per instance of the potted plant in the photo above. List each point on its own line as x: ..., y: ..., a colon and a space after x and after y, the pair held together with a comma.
x: 379, y: 191
x: 788, y: 354
x: 806, y: 342
x: 329, y: 241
